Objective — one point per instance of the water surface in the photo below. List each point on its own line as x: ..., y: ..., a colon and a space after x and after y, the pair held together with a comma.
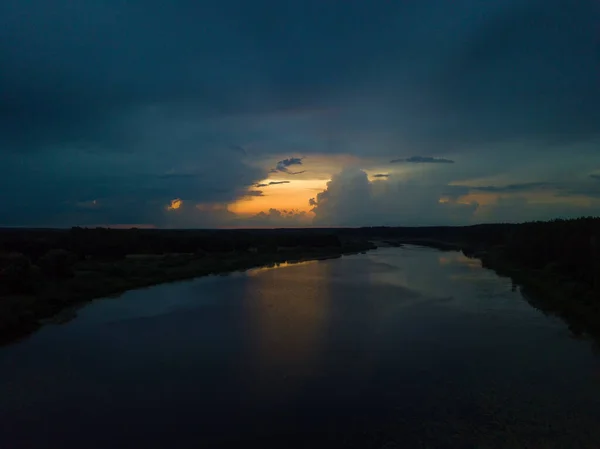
x: 406, y: 345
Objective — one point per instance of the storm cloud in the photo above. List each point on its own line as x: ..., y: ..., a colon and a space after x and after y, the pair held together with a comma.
x: 284, y: 165
x: 350, y: 199
x: 135, y: 104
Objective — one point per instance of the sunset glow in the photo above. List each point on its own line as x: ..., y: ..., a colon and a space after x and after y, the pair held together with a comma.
x: 448, y: 121
x: 294, y: 195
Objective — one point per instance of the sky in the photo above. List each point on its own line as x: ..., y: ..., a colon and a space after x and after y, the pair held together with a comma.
x: 264, y: 113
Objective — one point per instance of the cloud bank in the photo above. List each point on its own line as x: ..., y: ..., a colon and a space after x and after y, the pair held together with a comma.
x: 352, y: 200
x: 103, y: 119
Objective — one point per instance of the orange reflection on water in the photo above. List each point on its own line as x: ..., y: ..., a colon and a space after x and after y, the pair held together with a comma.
x: 286, y: 330
x: 256, y: 271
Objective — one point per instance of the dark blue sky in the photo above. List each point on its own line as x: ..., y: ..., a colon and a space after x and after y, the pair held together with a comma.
x: 112, y: 109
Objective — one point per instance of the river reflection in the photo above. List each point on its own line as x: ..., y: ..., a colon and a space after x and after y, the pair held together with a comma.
x: 407, y: 346
x: 287, y: 316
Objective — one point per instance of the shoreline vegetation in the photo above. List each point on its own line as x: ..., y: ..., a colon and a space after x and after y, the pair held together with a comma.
x: 56, y: 270
x: 46, y: 271
x: 555, y: 264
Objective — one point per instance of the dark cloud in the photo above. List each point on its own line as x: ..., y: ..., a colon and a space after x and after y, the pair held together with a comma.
x: 178, y: 176
x: 272, y: 183
x: 514, y: 188
x: 283, y: 166
x: 381, y: 175
x: 595, y: 176
x: 56, y: 198
x: 551, y: 95
x: 423, y: 160
x: 239, y: 149
x: 559, y: 190
x: 473, y: 76
x: 100, y: 99
x: 589, y: 190
x: 253, y: 193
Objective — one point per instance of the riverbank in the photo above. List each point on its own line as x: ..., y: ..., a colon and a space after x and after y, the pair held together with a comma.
x: 91, y: 279
x: 43, y: 271
x: 550, y: 291
x: 547, y: 289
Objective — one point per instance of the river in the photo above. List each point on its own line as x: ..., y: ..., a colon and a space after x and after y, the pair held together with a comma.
x: 400, y: 347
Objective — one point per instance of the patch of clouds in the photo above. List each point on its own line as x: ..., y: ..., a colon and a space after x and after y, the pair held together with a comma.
x: 272, y: 183
x: 251, y: 193
x: 201, y: 215
x: 350, y: 199
x: 175, y: 204
x: 217, y: 215
x: 283, y: 166
x: 423, y: 160
x: 455, y: 79
x: 512, y: 188
x: 572, y: 187
x: 278, y: 218
x: 132, y: 182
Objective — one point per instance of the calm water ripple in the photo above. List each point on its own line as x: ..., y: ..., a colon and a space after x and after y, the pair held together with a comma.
x: 401, y: 347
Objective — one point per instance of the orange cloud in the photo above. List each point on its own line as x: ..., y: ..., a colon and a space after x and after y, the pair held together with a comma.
x: 175, y: 204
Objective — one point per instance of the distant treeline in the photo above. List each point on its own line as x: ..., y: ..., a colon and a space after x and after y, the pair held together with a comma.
x: 569, y: 248
x: 110, y: 244
x: 32, y: 260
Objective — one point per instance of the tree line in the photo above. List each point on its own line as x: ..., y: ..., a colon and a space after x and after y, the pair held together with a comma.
x: 569, y: 248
